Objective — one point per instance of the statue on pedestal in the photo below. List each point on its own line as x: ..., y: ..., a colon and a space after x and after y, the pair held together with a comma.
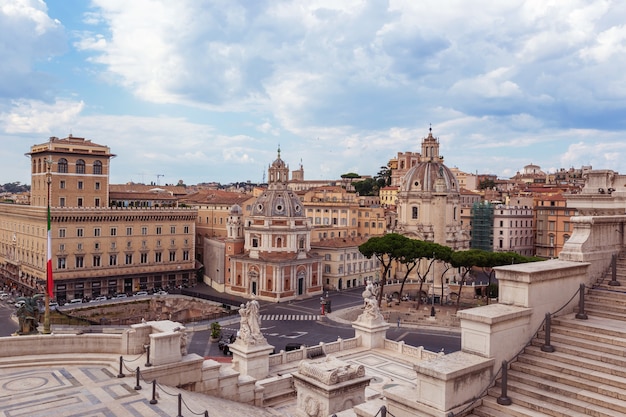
x: 28, y: 314
x: 250, y: 324
x: 371, y: 311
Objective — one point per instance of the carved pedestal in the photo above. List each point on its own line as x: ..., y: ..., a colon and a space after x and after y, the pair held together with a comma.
x: 251, y: 359
x: 328, y: 386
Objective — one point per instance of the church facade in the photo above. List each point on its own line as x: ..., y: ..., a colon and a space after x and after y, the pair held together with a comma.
x: 276, y: 262
x: 429, y: 206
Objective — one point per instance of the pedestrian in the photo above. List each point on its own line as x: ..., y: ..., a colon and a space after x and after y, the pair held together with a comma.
x: 398, y: 321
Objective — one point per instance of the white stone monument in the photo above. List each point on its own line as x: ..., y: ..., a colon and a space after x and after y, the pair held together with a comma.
x: 328, y: 386
x: 251, y: 350
x: 371, y: 326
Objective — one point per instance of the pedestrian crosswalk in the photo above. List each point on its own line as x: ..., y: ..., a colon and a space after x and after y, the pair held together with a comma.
x: 289, y: 317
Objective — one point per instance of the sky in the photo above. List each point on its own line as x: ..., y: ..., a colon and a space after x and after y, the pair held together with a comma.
x: 204, y: 91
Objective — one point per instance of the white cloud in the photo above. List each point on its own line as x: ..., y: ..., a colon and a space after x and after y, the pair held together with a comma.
x: 27, y: 35
x: 210, y: 86
x: 32, y: 116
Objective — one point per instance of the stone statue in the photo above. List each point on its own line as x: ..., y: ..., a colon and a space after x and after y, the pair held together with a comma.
x: 28, y: 314
x: 371, y: 311
x: 184, y: 340
x: 255, y: 318
x: 250, y: 324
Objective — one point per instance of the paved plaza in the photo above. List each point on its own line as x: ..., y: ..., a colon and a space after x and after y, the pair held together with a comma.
x: 46, y: 387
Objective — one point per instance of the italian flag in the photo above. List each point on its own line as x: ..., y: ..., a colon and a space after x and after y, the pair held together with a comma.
x: 49, y: 281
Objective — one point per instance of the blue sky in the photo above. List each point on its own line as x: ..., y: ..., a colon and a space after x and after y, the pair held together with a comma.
x: 205, y: 91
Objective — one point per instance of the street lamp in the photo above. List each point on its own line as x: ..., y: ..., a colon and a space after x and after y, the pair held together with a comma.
x: 46, y: 317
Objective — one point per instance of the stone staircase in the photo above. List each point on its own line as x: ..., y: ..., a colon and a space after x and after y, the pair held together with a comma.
x: 584, y: 376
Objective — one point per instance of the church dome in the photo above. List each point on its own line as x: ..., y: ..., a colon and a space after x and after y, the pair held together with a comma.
x: 236, y: 210
x: 278, y: 200
x: 430, y: 176
x: 278, y: 203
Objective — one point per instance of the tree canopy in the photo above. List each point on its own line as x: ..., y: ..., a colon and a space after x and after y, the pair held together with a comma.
x: 386, y: 249
x: 394, y: 247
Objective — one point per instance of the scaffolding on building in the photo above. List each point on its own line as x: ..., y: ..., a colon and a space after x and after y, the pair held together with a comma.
x: 482, y: 226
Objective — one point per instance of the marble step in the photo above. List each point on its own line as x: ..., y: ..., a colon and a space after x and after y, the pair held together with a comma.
x: 598, y: 363
x: 493, y: 409
x: 604, y: 384
x: 602, y: 327
x: 525, y: 405
x: 603, y: 312
x: 582, y: 348
x: 112, y: 361
x: 573, y: 339
x: 610, y: 297
x: 576, y: 398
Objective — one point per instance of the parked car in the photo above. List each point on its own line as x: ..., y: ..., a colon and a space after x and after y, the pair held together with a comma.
x: 53, y: 305
x: 293, y: 346
x: 223, y: 344
x: 161, y: 292
x: 76, y: 301
x: 4, y: 296
x: 121, y: 296
x: 100, y: 298
x: 20, y: 303
x: 140, y: 293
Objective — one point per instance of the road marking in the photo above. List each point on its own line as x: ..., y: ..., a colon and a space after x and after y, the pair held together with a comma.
x: 290, y: 317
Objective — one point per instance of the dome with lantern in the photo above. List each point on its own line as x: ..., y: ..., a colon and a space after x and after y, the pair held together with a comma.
x: 430, y: 174
x: 278, y: 200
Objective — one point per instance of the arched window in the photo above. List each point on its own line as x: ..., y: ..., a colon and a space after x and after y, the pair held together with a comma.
x: 62, y: 166
x: 80, y: 166
x: 97, y: 168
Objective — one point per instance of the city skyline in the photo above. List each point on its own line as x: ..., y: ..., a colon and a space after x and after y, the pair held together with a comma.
x: 199, y: 92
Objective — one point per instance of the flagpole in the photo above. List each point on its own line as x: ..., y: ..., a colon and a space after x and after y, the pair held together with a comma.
x: 46, y: 317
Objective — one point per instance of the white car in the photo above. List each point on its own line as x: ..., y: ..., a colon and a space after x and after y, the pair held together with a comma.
x: 140, y: 293
x: 100, y: 298
x: 4, y: 296
x: 20, y: 303
x: 121, y: 296
x: 76, y: 301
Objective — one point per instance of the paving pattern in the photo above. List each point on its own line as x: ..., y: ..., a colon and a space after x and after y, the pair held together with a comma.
x: 95, y: 391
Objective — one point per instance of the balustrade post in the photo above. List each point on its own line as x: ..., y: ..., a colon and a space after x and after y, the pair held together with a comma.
x: 547, y: 347
x: 137, y: 386
x: 581, y: 315
x: 154, y: 400
x: 148, y: 355
x: 614, y: 282
x: 504, y: 399
x: 121, y: 374
x: 180, y: 405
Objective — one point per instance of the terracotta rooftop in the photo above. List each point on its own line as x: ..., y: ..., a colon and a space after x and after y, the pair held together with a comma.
x: 175, y: 190
x: 215, y: 197
x: 340, y: 242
